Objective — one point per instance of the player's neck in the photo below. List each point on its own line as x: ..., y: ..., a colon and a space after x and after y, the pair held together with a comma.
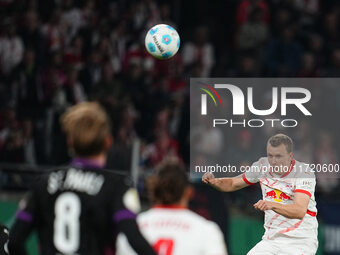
x: 172, y: 206
x: 183, y: 203
x: 98, y: 160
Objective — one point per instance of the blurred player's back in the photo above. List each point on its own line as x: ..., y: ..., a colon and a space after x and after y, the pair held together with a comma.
x: 79, y: 209
x: 169, y: 226
x: 79, y: 204
x: 176, y: 230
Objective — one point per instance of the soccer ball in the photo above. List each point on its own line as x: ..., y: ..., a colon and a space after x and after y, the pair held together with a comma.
x: 162, y: 41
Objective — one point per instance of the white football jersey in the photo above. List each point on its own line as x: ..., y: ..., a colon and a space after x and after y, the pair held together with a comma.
x: 176, y: 231
x: 282, y: 189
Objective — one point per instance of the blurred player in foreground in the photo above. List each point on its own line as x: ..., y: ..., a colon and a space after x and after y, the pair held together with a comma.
x: 169, y: 225
x: 79, y: 209
x: 3, y: 240
x: 288, y: 199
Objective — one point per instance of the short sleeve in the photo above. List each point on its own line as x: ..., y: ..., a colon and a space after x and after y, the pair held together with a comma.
x: 306, y: 183
x: 253, y: 174
x: 214, y: 242
x: 126, y: 203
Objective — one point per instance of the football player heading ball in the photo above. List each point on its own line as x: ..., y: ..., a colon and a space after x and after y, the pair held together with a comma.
x: 288, y: 199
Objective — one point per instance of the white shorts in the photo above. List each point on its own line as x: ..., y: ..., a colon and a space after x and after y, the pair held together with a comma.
x: 285, y: 246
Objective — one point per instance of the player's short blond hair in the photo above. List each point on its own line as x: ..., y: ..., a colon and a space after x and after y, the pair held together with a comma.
x: 87, y: 126
x: 279, y: 139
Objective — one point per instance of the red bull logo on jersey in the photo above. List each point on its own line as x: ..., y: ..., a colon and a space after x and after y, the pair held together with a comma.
x: 277, y: 195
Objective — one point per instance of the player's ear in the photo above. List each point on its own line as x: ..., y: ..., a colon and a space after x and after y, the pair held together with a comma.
x: 189, y: 192
x: 70, y: 146
x: 108, y: 142
x: 70, y: 142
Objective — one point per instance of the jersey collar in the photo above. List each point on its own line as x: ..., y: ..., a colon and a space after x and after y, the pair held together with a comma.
x: 292, y: 164
x: 86, y: 163
x: 173, y: 207
x: 290, y: 169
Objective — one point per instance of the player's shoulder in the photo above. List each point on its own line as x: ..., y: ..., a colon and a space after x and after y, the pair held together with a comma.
x: 213, y: 228
x: 42, y: 177
x: 118, y: 179
x: 112, y: 176
x: 209, y: 228
x: 109, y: 179
x: 183, y: 213
x: 260, y: 166
x: 198, y: 218
x: 52, y: 171
x: 115, y: 175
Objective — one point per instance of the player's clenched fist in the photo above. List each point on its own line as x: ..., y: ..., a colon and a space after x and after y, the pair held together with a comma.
x: 263, y: 205
x: 207, y: 177
x: 210, y: 179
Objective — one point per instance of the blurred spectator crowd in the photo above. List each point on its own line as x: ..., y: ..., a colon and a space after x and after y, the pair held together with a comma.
x: 54, y: 54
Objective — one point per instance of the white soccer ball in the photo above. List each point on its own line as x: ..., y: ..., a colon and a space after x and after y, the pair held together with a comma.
x: 162, y: 41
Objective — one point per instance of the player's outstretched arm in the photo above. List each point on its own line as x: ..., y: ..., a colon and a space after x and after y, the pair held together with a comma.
x: 297, y: 210
x: 23, y: 225
x: 224, y: 184
x: 136, y: 240
x: 124, y: 215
